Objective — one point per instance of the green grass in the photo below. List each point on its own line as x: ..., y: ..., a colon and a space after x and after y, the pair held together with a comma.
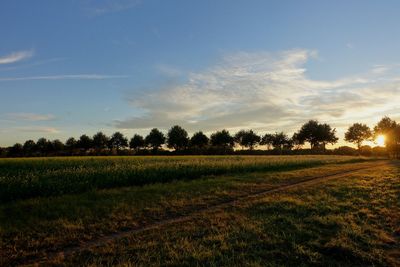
x: 33, y: 227
x: 36, y: 177
x: 347, y: 222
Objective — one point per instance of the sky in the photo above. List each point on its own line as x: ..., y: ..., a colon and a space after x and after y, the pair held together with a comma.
x: 80, y: 66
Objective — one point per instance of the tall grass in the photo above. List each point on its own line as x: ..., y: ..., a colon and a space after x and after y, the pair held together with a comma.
x: 35, y: 177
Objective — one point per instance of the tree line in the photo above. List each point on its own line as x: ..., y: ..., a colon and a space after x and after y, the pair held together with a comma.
x: 177, y: 140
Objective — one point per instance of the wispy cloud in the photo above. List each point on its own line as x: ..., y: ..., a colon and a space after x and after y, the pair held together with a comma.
x: 98, y: 8
x: 33, y: 64
x: 65, y: 77
x: 264, y: 91
x: 30, y: 116
x: 38, y: 129
x: 168, y: 70
x: 16, y: 56
x: 380, y: 69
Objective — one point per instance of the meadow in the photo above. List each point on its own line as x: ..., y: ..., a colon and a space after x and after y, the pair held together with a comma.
x: 35, y: 177
x: 124, y: 210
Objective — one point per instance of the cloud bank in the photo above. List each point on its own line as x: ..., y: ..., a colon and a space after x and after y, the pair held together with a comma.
x: 266, y: 92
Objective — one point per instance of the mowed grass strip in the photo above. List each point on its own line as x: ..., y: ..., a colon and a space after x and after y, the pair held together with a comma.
x: 41, y: 177
x: 346, y: 222
x: 34, y: 227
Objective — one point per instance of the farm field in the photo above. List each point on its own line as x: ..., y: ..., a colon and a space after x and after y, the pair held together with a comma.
x: 200, y: 210
x: 35, y: 177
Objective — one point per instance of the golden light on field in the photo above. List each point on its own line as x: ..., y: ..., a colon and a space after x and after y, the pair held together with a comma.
x: 380, y: 140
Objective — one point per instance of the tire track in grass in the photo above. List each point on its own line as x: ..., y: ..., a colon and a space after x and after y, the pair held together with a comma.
x: 98, y: 242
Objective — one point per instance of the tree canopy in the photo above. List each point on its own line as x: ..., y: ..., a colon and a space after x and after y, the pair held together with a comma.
x: 118, y: 141
x: 297, y: 142
x: 316, y: 134
x: 71, y: 143
x: 177, y: 138
x: 391, y: 130
x: 84, y: 142
x: 29, y: 147
x: 358, y: 133
x: 267, y: 140
x: 199, y: 139
x: 100, y: 140
x: 247, y: 138
x: 220, y: 142
x: 155, y: 139
x: 137, y: 142
x: 222, y: 139
x: 281, y: 141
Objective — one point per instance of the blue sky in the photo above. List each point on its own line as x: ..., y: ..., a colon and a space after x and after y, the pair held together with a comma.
x: 79, y: 66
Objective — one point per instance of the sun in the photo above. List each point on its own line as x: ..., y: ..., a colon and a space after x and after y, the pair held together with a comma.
x: 380, y: 140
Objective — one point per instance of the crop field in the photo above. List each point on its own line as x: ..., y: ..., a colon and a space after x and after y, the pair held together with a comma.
x: 200, y: 210
x: 25, y: 178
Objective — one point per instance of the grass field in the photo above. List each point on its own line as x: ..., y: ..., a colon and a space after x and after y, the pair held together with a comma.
x: 123, y: 211
x: 34, y: 177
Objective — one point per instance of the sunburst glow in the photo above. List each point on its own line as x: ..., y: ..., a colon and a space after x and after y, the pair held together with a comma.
x: 380, y: 140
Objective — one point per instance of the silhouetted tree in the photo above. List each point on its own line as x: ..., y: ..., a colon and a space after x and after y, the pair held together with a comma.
x: 118, y: 141
x: 29, y: 147
x: 222, y: 139
x: 43, y: 146
x: 288, y: 145
x: 296, y: 141
x: 16, y: 150
x: 281, y: 141
x: 267, y: 140
x: 385, y: 126
x: 318, y: 135
x: 3, y: 152
x: 100, y: 141
x: 309, y: 133
x: 85, y: 142
x: 199, y: 140
x: 327, y: 135
x: 391, y: 130
x: 155, y: 139
x: 136, y: 142
x: 397, y: 141
x: 247, y: 138
x: 357, y: 133
x: 57, y: 146
x: 177, y: 138
x: 71, y: 144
